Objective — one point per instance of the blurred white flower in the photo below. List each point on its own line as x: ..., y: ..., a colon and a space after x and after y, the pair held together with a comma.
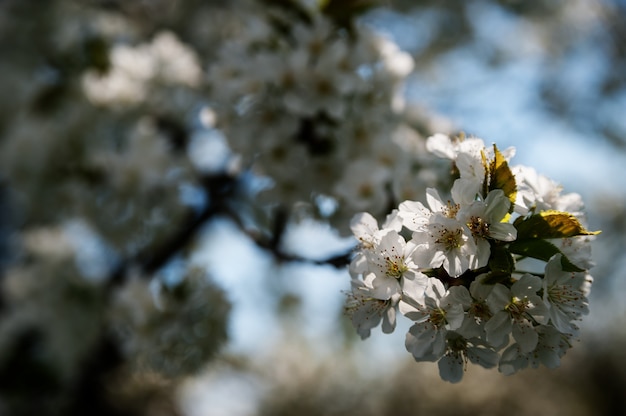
x: 136, y: 70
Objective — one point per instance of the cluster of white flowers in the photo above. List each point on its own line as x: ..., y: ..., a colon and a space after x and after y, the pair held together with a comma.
x: 314, y: 108
x: 125, y: 135
x: 156, y: 324
x: 465, y: 269
x: 135, y: 69
x: 48, y: 304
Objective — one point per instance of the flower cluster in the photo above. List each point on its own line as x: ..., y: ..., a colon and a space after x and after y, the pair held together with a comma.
x: 495, y: 275
x: 157, y: 323
x: 135, y: 70
x: 314, y: 109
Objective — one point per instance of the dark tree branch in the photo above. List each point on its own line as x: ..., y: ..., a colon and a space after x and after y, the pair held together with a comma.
x: 220, y: 189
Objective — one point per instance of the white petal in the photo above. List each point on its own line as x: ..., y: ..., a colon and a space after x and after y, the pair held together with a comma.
x: 485, y: 357
x: 526, y: 286
x: 424, y: 341
x: 441, y: 145
x: 499, y: 297
x: 434, y: 200
x: 384, y: 287
x: 497, y: 205
x: 478, y: 290
x: 414, y: 215
x: 451, y: 368
x: 512, y: 360
x: 458, y: 295
x: 389, y: 321
x: 359, y: 265
x: 525, y: 335
x: 498, y: 328
x: 503, y: 231
x: 365, y: 228
x: 454, y: 316
x: 464, y: 190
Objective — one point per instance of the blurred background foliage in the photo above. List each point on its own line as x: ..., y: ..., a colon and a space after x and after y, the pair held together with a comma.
x: 80, y: 346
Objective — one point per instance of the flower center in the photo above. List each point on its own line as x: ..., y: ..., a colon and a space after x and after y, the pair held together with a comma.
x: 355, y: 303
x: 450, y: 210
x: 457, y: 344
x: 395, y: 268
x: 365, y: 190
x: 480, y: 310
x: 437, y: 317
x: 517, y: 307
x: 566, y: 297
x: 450, y: 239
x: 478, y: 227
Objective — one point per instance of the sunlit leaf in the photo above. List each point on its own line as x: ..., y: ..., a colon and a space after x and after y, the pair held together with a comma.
x: 501, y: 177
x: 551, y: 224
x: 486, y: 166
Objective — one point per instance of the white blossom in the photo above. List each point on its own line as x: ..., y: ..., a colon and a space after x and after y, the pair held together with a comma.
x: 459, y: 351
x: 540, y: 193
x: 485, y: 218
x: 434, y: 316
x: 392, y: 257
x: 446, y: 242
x: 367, y: 311
x: 516, y: 311
x: 564, y: 293
x: 484, y: 221
x: 365, y: 229
x: 415, y: 216
x: 551, y: 346
x: 135, y: 68
x: 475, y: 305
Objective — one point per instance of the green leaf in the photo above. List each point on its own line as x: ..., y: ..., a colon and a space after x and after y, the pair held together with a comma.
x: 501, y: 265
x: 542, y: 250
x: 493, y: 278
x: 551, y: 224
x: 501, y: 261
x: 501, y: 177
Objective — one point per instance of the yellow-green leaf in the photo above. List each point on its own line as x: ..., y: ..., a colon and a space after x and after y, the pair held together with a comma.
x: 501, y: 177
x: 486, y: 164
x: 551, y: 224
